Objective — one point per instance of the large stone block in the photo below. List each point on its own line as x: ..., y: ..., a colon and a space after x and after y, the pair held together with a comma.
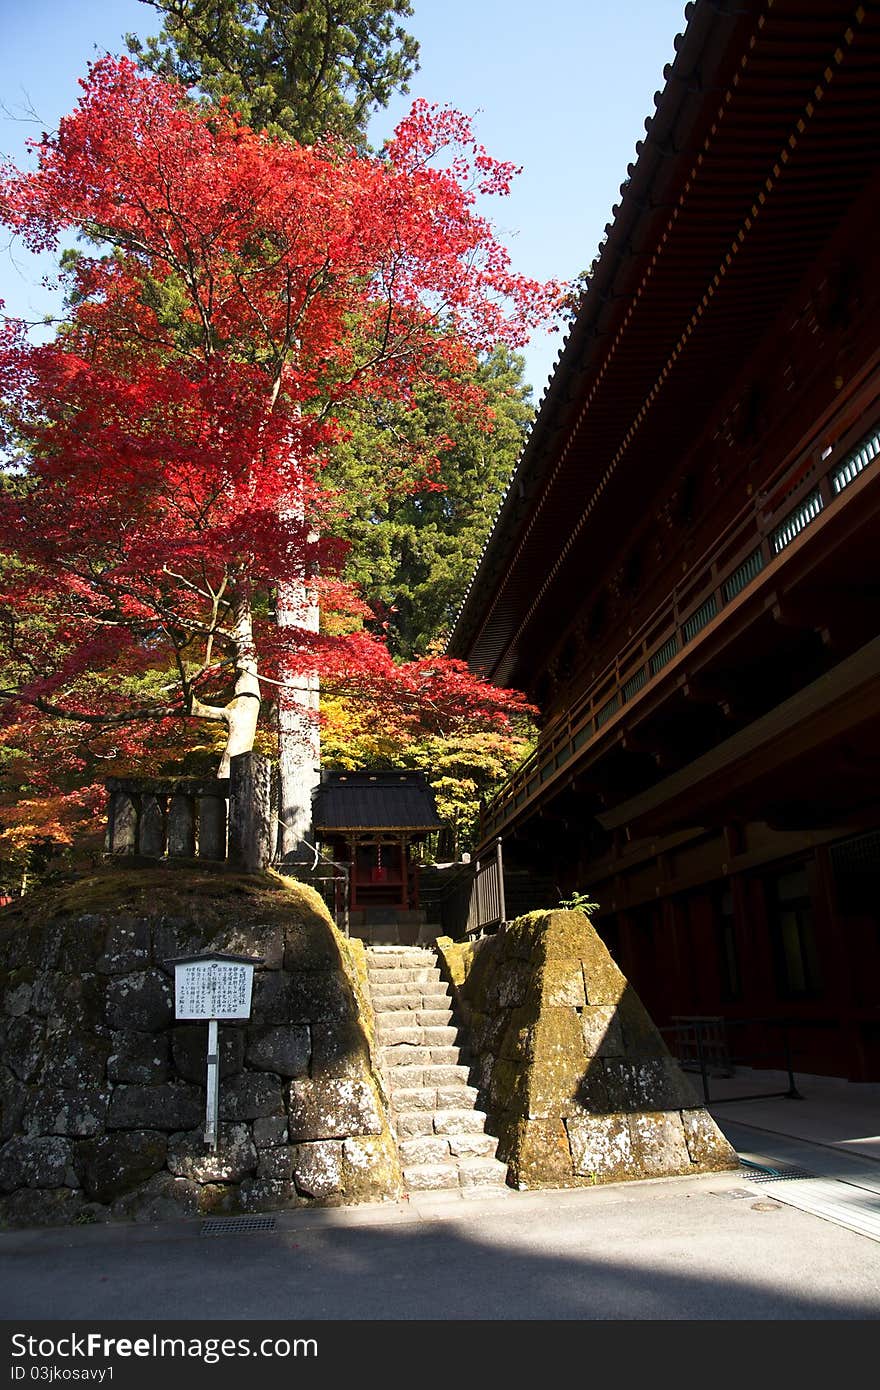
x: 189, y: 1051
x: 659, y: 1145
x: 318, y: 1168
x: 171, y: 1105
x: 601, y: 1147
x: 662, y: 1085
x: 79, y: 1113
x: 46, y: 1162
x: 249, y: 1095
x: 603, y: 1034
x: 81, y: 944
x: 707, y: 1146
x: 339, y: 1049
x: 622, y: 1084
x: 13, y: 1098
x: 142, y: 1002
x: 558, y: 1063
x: 262, y: 939
x: 508, y: 986
x: 113, y: 1164
x: 126, y: 946
x: 235, y: 1157
x: 276, y: 1163
x: 560, y: 984
x: 271, y: 998
x: 270, y: 1131
x: 162, y: 1197
x: 268, y: 1194
x: 640, y: 1035
x: 66, y: 1001
x: 331, y: 1108
x: 370, y: 1167
x: 75, y: 1060
x: 320, y: 996
x: 285, y: 1049
x: 23, y: 1046
x: 42, y: 1206
x: 539, y: 1154
x: 138, y: 1057
x: 310, y: 945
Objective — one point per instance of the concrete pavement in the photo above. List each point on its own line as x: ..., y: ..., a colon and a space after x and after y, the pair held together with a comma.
x: 715, y: 1247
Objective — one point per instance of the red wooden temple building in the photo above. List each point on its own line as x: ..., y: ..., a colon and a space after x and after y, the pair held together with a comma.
x: 685, y: 572
x: 370, y: 822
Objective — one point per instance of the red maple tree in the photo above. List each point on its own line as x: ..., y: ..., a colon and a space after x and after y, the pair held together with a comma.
x: 234, y: 292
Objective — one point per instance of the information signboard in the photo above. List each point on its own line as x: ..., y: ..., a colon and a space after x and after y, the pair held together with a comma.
x: 213, y: 988
x: 208, y: 988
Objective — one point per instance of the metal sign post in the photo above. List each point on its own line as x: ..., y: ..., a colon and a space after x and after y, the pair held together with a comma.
x: 210, y: 987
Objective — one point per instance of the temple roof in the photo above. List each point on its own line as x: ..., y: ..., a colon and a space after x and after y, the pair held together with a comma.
x: 765, y: 131
x: 390, y: 799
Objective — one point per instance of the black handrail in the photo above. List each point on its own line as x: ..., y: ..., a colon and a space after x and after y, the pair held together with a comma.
x: 701, y: 1027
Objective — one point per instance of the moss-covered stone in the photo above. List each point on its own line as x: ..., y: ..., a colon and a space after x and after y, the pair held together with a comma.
x: 707, y: 1146
x: 113, y: 1164
x: 659, y: 1147
x: 566, y: 1057
x: 370, y: 1167
x: 601, y: 1147
x: 541, y: 1156
x: 88, y: 1029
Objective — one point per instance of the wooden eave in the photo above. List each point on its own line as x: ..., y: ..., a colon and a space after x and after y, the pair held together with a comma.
x: 736, y: 190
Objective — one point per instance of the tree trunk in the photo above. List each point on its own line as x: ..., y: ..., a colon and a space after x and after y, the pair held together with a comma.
x: 243, y: 711
x: 299, y: 746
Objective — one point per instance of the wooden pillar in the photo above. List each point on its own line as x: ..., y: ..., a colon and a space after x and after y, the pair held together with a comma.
x: 353, y: 876
x: 404, y: 886
x: 836, y: 955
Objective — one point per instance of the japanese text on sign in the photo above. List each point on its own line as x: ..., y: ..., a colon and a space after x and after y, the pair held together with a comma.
x: 212, y: 989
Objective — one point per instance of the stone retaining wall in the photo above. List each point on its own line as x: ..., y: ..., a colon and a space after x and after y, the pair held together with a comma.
x: 575, y: 1078
x: 102, y: 1096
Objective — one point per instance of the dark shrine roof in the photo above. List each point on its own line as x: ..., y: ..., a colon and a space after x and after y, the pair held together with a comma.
x: 765, y: 131
x: 391, y: 799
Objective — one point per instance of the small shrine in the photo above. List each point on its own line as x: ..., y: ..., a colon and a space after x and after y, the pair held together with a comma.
x: 370, y: 822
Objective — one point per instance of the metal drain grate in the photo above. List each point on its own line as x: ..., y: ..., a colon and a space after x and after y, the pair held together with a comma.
x: 237, y: 1225
x: 782, y: 1173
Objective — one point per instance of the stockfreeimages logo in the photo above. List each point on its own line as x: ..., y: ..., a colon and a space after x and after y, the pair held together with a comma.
x: 95, y: 1345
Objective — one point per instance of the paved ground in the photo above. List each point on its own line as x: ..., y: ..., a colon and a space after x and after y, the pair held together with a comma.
x: 746, y: 1245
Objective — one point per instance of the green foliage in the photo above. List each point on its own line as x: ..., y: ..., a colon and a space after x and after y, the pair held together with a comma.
x: 414, y: 551
x: 301, y: 68
x: 580, y: 902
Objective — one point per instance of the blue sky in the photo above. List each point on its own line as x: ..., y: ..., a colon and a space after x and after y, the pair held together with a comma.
x: 561, y: 88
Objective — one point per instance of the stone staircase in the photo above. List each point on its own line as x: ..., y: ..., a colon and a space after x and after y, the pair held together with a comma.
x: 442, y: 1138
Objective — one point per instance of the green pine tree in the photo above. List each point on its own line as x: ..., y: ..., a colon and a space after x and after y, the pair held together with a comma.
x: 302, y: 68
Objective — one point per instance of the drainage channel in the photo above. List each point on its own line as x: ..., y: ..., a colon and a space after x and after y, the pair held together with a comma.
x: 237, y: 1225
x: 852, y: 1202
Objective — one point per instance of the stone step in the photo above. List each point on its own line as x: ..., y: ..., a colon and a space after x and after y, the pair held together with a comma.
x: 437, y: 1148
x: 430, y: 1076
x: 397, y: 1034
x: 413, y: 1018
x: 468, y: 1172
x: 407, y: 1098
x: 391, y: 999
x: 436, y: 1056
x: 431, y: 1177
x: 406, y: 976
x: 459, y: 1122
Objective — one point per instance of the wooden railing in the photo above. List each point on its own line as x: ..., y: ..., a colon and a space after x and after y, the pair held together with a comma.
x: 754, y: 539
x: 487, y: 908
